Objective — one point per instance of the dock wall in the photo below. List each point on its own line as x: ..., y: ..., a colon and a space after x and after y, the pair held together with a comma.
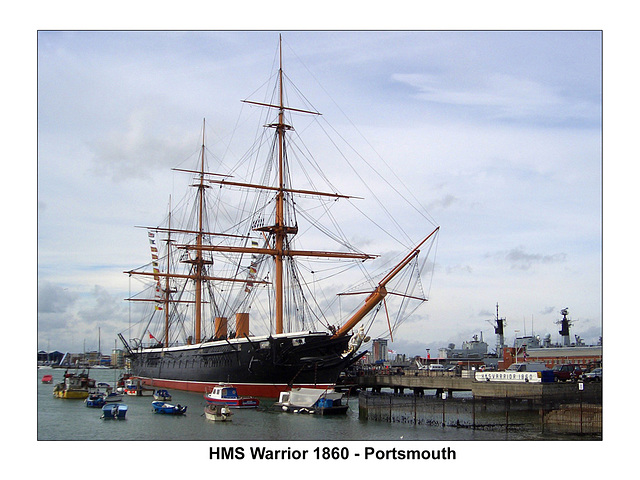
x: 554, y: 408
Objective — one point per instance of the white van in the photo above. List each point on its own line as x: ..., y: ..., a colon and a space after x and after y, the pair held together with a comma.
x: 527, y: 367
x: 436, y: 367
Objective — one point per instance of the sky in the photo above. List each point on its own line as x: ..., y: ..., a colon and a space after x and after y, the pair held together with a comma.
x: 497, y: 134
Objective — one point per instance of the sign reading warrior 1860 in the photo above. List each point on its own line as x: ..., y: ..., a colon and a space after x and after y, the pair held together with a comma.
x: 507, y: 376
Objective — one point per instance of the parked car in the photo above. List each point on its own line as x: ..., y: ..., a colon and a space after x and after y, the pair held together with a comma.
x: 566, y: 372
x: 594, y: 375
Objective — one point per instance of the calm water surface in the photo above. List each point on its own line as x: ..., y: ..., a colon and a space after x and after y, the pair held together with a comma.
x: 61, y: 419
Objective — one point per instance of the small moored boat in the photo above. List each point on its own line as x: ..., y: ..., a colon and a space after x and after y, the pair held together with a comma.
x: 47, y: 379
x: 95, y: 400
x: 218, y: 413
x: 225, y: 394
x: 135, y: 388
x: 163, y: 395
x: 122, y: 382
x: 113, y: 397
x: 313, y: 401
x: 74, y: 386
x: 168, y: 408
x: 114, y: 410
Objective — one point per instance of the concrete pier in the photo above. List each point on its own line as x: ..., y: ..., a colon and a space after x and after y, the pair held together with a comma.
x: 443, y: 382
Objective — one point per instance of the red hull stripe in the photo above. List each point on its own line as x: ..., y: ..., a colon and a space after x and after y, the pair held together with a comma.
x: 265, y: 390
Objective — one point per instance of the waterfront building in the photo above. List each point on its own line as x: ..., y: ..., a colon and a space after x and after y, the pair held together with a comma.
x: 49, y: 358
x: 117, y: 358
x: 583, y: 355
x: 379, y: 350
x: 587, y: 356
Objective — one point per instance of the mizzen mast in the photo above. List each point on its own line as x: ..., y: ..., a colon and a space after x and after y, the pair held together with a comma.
x: 199, y: 260
x: 167, y: 285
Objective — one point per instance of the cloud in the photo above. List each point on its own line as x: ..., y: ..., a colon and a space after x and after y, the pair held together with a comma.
x: 444, y: 202
x: 103, y: 307
x: 459, y: 269
x: 521, y: 260
x: 547, y: 310
x: 505, y: 96
x: 54, y: 299
x: 140, y: 147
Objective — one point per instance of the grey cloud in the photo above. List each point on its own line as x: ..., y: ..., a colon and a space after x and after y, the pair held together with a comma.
x: 443, y: 202
x: 459, y: 269
x: 54, y: 298
x: 521, y: 260
x: 105, y: 307
x: 140, y: 147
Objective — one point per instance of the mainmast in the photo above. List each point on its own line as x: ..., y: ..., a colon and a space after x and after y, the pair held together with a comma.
x: 280, y: 230
x: 279, y: 227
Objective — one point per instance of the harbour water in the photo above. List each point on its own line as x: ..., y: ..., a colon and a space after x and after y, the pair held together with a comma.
x: 60, y: 419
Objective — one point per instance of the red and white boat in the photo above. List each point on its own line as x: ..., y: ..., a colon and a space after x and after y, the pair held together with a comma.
x: 225, y: 394
x: 136, y: 388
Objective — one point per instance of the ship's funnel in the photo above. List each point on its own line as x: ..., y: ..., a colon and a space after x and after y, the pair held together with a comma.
x: 242, y: 325
x: 220, y: 327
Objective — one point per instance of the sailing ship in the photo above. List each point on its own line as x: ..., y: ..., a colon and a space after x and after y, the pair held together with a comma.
x: 247, y: 263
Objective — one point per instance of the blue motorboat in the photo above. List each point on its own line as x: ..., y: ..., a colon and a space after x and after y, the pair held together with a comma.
x: 167, y: 408
x: 94, y: 400
x: 163, y: 395
x: 114, y: 410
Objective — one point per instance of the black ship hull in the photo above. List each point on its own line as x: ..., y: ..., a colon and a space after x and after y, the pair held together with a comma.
x: 256, y: 366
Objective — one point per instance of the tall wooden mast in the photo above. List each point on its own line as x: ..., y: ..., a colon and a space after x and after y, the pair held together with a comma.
x: 280, y: 230
x: 167, y: 285
x: 199, y: 263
